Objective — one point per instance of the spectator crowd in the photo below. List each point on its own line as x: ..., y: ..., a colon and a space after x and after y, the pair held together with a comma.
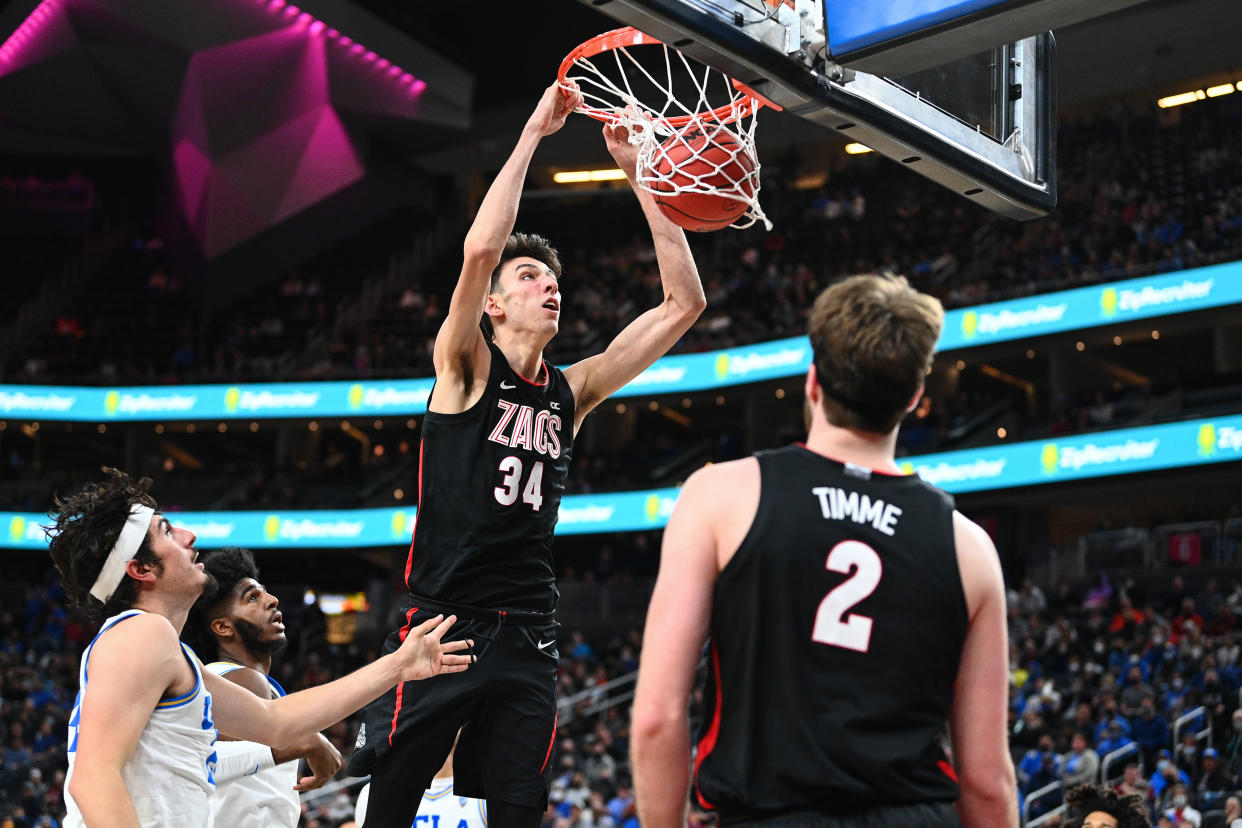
x: 1140, y: 193
x: 1130, y: 683
x: 1133, y: 685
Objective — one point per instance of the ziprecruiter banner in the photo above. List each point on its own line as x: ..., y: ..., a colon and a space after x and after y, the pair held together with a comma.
x: 1037, y: 462
x: 1049, y: 313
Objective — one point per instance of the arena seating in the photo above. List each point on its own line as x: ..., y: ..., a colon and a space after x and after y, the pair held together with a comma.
x: 1142, y: 194
x: 1084, y: 655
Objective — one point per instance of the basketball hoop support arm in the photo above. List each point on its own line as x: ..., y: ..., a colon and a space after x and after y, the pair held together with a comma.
x: 752, y: 46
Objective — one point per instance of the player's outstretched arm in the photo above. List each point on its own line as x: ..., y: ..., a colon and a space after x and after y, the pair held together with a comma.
x: 978, y: 722
x: 132, y: 666
x: 235, y: 759
x: 284, y: 721
x: 460, y: 355
x: 677, y: 623
x: 649, y: 336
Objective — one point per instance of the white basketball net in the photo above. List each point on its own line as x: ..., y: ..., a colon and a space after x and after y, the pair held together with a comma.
x: 611, y: 84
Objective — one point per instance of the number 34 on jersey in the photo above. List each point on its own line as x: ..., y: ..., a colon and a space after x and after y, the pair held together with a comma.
x: 520, y: 426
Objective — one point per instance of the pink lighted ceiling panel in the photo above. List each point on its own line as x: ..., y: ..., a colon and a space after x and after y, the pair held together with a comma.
x: 257, y: 129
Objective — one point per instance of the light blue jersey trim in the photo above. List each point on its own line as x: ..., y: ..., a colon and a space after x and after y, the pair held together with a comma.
x: 180, y: 701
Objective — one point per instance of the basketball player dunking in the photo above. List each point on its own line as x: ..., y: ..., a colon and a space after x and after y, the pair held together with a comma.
x: 852, y: 612
x: 497, y: 441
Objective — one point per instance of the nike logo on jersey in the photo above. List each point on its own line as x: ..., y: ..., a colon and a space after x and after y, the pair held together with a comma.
x: 252, y: 772
x: 507, y: 385
x: 543, y: 645
x: 520, y: 426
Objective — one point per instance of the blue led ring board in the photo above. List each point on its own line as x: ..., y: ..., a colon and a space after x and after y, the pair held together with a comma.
x: 1005, y: 162
x: 896, y: 37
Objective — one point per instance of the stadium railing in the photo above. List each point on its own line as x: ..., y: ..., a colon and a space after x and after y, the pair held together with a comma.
x: 1058, y: 788
x: 1187, y: 720
x: 1115, y: 757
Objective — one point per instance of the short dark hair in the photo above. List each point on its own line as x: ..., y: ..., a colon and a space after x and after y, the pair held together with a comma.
x: 872, y: 338
x: 529, y: 245
x: 1128, y: 810
x: 226, y: 567
x: 85, y: 527
x: 521, y: 245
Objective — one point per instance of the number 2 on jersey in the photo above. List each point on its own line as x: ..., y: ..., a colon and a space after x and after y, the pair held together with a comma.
x: 835, y: 625
x: 507, y: 491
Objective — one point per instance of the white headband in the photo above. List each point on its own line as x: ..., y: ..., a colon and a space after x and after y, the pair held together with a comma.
x: 132, y: 533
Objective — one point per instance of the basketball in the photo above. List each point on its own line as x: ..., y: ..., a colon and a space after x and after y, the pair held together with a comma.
x: 704, y: 159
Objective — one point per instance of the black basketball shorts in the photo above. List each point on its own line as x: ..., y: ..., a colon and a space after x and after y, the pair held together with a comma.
x: 924, y: 815
x: 504, y: 705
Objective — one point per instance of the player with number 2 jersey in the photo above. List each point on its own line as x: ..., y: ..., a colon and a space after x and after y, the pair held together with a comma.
x: 853, y: 615
x: 496, y: 446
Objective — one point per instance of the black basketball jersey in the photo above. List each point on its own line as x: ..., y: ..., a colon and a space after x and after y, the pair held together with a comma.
x: 836, y: 632
x: 490, y: 486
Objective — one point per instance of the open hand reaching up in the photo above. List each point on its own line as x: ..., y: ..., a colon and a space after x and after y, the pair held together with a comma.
x: 423, y: 655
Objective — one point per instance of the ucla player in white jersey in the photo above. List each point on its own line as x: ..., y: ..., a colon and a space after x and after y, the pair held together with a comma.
x: 236, y: 626
x: 143, y: 729
x: 441, y: 806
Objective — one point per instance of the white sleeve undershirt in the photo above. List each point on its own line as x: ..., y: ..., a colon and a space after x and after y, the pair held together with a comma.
x: 237, y: 759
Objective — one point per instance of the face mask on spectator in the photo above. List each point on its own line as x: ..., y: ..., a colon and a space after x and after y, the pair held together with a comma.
x: 1099, y: 648
x: 1189, y: 751
x: 1177, y: 684
x: 1179, y: 801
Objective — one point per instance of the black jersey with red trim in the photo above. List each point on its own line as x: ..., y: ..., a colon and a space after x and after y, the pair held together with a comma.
x: 836, y: 632
x: 490, y: 486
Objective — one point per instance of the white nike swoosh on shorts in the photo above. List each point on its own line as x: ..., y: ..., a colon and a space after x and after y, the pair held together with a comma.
x: 543, y: 645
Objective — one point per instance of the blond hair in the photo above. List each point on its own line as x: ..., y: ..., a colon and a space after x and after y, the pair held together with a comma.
x: 872, y: 337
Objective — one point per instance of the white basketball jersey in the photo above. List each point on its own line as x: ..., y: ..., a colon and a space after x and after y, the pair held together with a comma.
x: 265, y: 799
x: 440, y: 808
x: 170, y: 775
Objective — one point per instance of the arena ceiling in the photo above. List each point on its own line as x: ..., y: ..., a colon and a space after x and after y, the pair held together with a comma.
x: 1158, y: 46
x: 224, y: 93
x: 480, y: 60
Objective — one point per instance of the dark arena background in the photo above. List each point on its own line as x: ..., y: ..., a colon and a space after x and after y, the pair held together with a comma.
x: 229, y: 230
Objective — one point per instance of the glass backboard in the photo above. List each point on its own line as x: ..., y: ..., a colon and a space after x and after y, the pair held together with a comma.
x: 983, y: 126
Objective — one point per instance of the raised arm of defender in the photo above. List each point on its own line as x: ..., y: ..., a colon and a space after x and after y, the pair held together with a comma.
x: 649, y: 336
x: 461, y: 356
x: 141, y: 660
x: 277, y: 722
